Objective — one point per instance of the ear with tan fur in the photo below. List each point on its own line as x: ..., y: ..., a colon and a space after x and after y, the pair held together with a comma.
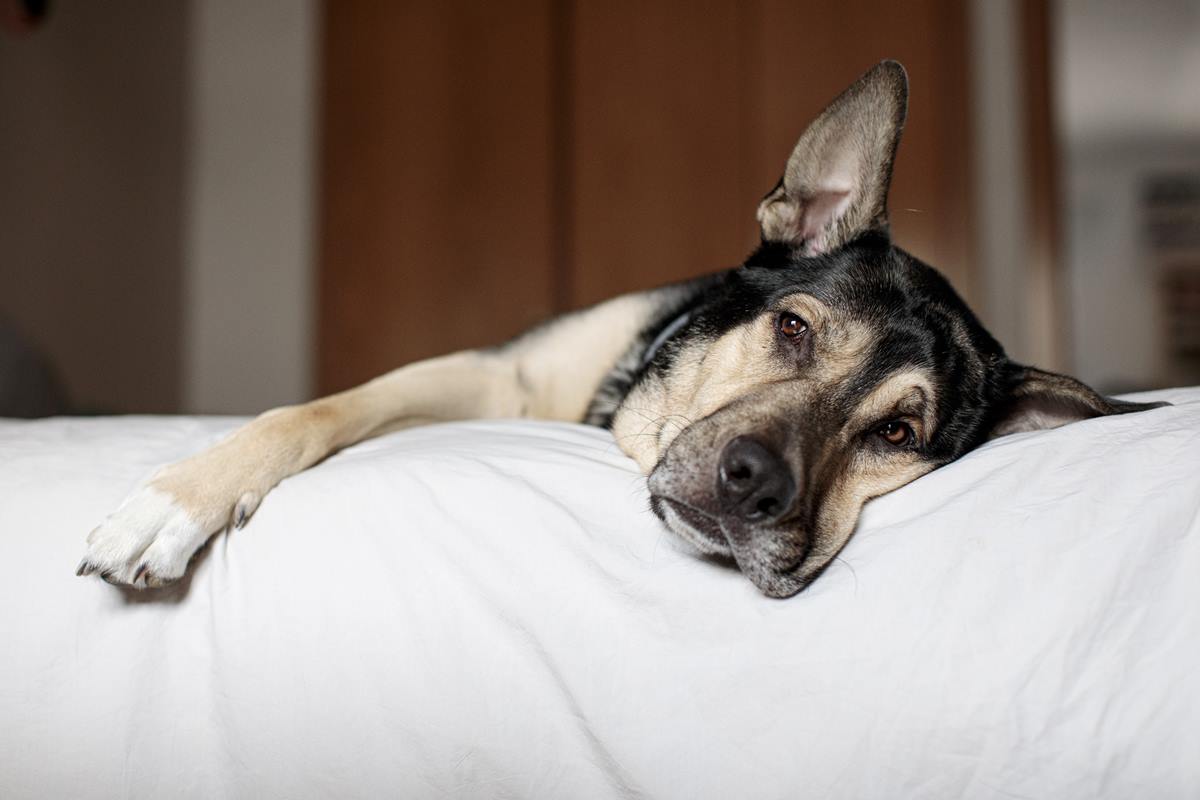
x: 835, y: 186
x: 1041, y: 400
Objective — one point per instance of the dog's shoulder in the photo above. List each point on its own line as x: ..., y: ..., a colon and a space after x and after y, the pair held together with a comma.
x: 666, y: 320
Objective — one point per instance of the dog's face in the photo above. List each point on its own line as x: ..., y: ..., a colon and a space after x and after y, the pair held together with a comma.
x: 832, y: 368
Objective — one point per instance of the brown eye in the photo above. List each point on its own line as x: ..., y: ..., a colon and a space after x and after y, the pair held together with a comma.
x: 896, y: 433
x: 791, y: 325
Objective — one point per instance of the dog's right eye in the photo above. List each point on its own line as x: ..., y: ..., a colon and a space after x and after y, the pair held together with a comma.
x: 896, y: 433
x: 791, y: 325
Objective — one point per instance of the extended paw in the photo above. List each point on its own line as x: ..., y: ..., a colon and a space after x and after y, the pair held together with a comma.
x: 150, y: 539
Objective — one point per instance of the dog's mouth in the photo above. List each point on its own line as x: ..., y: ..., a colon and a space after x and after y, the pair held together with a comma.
x: 695, y: 527
x: 774, y: 574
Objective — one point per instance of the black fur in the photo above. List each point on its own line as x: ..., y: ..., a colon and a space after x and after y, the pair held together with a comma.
x: 923, y: 322
x: 634, y: 364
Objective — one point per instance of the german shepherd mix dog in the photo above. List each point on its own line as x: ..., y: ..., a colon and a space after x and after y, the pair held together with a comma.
x: 766, y: 403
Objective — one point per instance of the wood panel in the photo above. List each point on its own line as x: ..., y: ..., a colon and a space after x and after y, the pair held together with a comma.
x: 1049, y: 316
x: 659, y: 190
x: 685, y: 113
x: 436, y: 186
x: 809, y: 52
x: 489, y: 164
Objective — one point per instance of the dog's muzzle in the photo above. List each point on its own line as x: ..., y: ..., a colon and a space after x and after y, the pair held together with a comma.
x: 753, y: 488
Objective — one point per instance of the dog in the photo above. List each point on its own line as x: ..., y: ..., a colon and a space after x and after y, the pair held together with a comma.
x: 766, y: 404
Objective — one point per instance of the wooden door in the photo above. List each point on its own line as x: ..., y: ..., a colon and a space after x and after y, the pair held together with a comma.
x: 435, y: 201
x: 487, y: 164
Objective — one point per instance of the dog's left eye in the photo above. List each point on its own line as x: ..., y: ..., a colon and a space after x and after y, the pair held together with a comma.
x: 791, y: 325
x: 896, y: 433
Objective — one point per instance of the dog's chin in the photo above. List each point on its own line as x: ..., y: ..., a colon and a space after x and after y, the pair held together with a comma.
x: 710, y: 536
x: 780, y: 566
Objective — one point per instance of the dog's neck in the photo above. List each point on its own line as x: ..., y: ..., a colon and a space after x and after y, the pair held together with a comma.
x: 672, y: 328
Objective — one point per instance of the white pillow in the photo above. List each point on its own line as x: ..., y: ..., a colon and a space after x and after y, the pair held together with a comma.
x: 488, y: 609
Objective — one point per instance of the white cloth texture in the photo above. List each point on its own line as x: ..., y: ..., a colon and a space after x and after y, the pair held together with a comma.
x: 489, y: 609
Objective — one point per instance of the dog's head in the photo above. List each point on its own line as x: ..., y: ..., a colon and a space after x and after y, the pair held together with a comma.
x: 831, y: 368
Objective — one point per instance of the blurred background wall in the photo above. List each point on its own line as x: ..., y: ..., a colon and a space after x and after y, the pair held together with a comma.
x: 1128, y: 94
x: 156, y: 201
x: 212, y: 206
x: 93, y: 140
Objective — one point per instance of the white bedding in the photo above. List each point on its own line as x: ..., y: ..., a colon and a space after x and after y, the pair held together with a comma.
x: 489, y: 610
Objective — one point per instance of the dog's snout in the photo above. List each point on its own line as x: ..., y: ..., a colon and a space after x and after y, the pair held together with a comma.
x: 753, y: 482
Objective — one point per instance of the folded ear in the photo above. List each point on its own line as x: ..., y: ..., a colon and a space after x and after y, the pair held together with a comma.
x: 835, y: 186
x: 1040, y: 400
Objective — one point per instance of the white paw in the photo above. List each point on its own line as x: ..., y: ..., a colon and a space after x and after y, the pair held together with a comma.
x: 149, y: 540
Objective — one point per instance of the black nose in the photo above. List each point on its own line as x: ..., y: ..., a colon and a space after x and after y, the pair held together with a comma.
x: 753, y: 482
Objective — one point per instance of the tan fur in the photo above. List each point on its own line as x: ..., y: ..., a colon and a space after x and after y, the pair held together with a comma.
x: 866, y: 478
x: 909, y: 395
x: 567, y: 360
x: 709, y: 376
x: 550, y: 373
x: 906, y: 395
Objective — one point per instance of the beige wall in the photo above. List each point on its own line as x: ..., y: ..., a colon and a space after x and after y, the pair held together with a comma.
x: 155, y: 200
x: 1129, y: 110
x: 247, y: 337
x: 91, y: 165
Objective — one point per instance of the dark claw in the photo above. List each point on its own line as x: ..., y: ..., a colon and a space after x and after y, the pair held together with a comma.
x: 241, y: 519
x: 107, y: 577
x: 138, y: 574
x: 85, y: 568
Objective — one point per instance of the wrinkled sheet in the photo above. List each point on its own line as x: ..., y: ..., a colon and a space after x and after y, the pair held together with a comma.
x: 488, y: 609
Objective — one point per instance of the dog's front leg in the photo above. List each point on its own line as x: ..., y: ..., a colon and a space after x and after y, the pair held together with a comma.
x: 550, y: 373
x: 152, y: 536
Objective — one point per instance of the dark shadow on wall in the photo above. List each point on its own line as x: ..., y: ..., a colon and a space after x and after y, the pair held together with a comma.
x: 29, y: 384
x: 92, y: 166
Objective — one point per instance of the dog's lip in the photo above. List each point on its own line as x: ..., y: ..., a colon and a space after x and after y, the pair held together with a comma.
x: 740, y: 538
x: 697, y: 523
x: 712, y: 535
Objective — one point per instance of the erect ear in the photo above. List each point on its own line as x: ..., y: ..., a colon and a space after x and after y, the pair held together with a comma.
x: 835, y: 186
x: 1040, y: 400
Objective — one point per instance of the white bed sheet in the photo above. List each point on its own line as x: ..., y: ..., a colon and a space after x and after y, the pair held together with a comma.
x: 489, y: 610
